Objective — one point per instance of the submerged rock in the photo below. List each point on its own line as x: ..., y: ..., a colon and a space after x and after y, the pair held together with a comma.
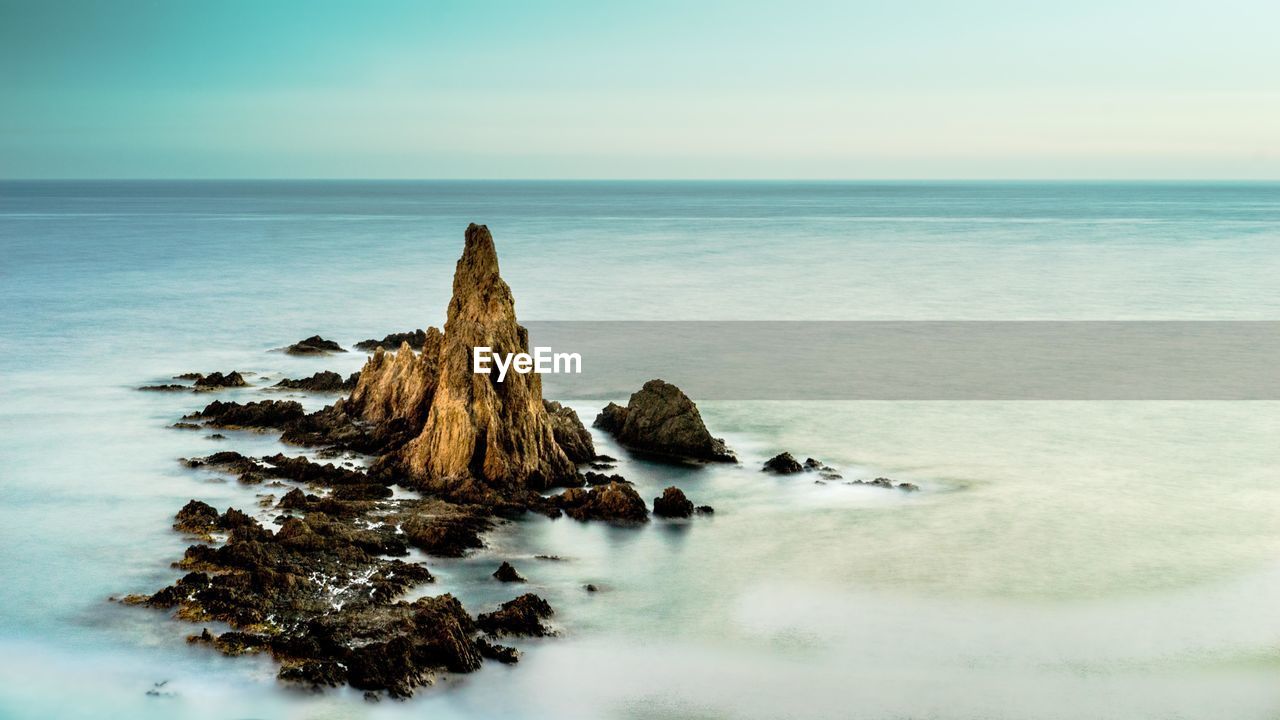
x: 165, y: 388
x: 314, y: 345
x: 672, y: 504
x: 323, y: 381
x: 661, y: 419
x: 506, y: 573
x: 416, y: 339
x: 782, y: 464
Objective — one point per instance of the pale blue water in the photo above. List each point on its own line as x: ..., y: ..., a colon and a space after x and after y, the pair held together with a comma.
x: 1065, y: 560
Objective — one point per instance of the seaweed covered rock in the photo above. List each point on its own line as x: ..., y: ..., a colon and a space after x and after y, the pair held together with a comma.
x: 672, y: 504
x: 314, y: 345
x: 323, y: 381
x: 615, y: 501
x: 416, y: 339
x: 660, y: 419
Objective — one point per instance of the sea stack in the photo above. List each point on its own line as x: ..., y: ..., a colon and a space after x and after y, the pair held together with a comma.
x: 474, y: 429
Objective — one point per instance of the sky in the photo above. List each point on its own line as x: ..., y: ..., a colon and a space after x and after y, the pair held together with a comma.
x: 707, y: 89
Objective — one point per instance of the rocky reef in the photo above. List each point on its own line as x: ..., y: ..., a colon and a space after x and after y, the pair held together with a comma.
x: 661, y: 420
x: 316, y: 579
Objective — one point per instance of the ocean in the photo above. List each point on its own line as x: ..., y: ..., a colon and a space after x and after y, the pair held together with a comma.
x: 1063, y: 559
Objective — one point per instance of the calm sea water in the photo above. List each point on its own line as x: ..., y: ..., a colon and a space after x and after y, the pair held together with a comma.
x: 1064, y: 560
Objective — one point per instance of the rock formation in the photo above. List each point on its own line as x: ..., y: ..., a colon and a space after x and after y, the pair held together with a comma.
x: 572, y: 437
x: 662, y: 420
x: 314, y: 345
x: 783, y: 464
x: 673, y: 504
x: 415, y: 338
x: 477, y: 434
x: 323, y: 381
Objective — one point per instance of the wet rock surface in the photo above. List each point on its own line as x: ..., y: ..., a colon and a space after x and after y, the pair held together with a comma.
x: 216, y: 380
x: 660, y: 419
x: 672, y: 504
x: 314, y: 345
x: 416, y: 339
x: 323, y: 381
x: 615, y: 501
x: 569, y: 432
x: 260, y: 414
x: 783, y: 464
x: 521, y: 616
x: 506, y: 573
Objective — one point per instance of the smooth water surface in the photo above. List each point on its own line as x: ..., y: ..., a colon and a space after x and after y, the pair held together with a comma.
x: 1063, y: 560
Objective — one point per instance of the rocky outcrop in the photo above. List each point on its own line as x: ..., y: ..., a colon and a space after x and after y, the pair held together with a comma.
x: 416, y: 339
x: 261, y: 414
x: 569, y: 432
x: 323, y: 381
x: 314, y: 345
x: 506, y: 573
x: 672, y: 504
x: 398, y: 385
x: 479, y: 437
x: 522, y: 616
x: 783, y: 464
x: 616, y: 501
x: 217, y: 380
x: 660, y: 419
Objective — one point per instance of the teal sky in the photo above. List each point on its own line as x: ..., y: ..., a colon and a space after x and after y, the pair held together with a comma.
x: 381, y: 88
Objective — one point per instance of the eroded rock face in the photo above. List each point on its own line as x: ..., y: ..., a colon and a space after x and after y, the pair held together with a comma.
x: 497, y: 432
x: 398, y: 385
x: 662, y: 420
x: 478, y: 436
x: 569, y: 432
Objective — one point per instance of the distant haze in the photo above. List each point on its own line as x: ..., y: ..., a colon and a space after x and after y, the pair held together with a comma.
x: 797, y: 89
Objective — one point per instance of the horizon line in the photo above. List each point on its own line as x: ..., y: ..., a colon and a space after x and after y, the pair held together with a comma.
x: 651, y: 179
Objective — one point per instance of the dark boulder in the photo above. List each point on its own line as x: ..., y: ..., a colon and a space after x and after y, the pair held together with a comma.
x: 416, y: 339
x: 314, y: 345
x: 615, y: 501
x: 662, y: 420
x: 782, y: 464
x: 196, y: 518
x: 521, y: 616
x: 506, y: 573
x: 165, y: 388
x: 672, y: 504
x: 216, y: 380
x: 323, y: 381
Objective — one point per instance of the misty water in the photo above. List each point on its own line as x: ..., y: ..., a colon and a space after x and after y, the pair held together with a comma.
x: 1062, y: 559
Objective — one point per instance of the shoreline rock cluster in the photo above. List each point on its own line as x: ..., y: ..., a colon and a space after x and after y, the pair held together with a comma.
x: 321, y: 588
